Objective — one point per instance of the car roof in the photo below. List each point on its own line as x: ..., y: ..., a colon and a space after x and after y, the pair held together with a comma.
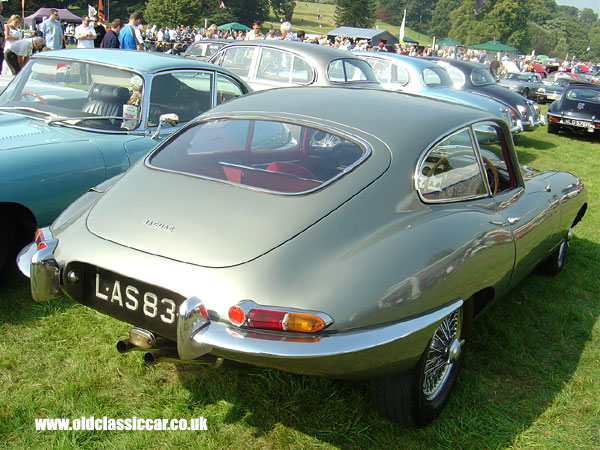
x: 314, y: 50
x: 411, y: 60
x: 143, y: 61
x: 379, y: 109
x: 466, y: 65
x: 581, y: 83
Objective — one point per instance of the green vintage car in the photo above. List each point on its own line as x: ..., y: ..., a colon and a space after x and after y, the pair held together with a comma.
x: 74, y: 118
x: 286, y: 229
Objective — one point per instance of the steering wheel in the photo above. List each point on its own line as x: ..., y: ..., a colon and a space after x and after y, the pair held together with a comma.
x: 436, y: 165
x: 490, y: 166
x: 33, y: 94
x: 488, y: 163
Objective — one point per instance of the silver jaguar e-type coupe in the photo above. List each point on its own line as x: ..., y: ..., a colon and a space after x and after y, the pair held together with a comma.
x: 350, y: 233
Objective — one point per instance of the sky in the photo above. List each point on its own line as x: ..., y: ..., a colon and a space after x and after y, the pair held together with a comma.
x: 593, y: 4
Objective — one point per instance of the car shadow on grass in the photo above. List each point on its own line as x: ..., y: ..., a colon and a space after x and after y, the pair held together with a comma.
x: 523, y: 352
x: 18, y: 307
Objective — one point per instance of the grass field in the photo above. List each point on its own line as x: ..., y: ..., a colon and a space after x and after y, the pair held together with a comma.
x: 531, y: 378
x: 306, y: 17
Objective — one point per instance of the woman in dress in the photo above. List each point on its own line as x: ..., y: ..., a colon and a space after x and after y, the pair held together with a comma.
x: 12, y: 33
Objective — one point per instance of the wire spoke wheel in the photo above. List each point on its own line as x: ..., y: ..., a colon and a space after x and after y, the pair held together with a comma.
x: 443, y: 352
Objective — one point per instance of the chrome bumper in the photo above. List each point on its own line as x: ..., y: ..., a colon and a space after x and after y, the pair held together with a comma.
x: 533, y: 122
x: 43, y: 271
x: 359, y: 353
x: 352, y: 354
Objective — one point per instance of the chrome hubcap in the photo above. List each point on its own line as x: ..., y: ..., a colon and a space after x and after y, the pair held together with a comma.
x: 443, y: 352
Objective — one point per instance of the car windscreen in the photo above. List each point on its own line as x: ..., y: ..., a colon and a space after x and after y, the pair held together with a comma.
x: 260, y: 154
x: 77, y: 92
x: 481, y: 77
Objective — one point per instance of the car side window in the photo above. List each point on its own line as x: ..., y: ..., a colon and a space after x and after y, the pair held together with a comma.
x: 495, y: 155
x: 227, y: 88
x: 238, y: 60
x: 275, y: 65
x: 399, y: 74
x: 302, y: 71
x: 342, y: 70
x: 450, y: 171
x: 457, y: 76
x: 185, y: 93
x: 431, y: 78
x: 382, y: 69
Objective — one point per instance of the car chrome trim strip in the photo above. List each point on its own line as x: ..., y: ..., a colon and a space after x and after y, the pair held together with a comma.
x: 196, y: 338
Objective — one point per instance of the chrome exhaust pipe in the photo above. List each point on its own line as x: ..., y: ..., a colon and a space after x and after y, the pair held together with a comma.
x: 140, y: 339
x: 158, y: 356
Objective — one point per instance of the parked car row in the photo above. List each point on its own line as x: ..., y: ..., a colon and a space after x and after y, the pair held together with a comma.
x: 291, y: 227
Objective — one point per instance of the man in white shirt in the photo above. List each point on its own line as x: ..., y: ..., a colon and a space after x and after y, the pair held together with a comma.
x: 255, y: 33
x: 20, y: 51
x: 85, y: 34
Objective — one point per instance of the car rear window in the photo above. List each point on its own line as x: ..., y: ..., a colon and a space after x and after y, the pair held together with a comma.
x: 583, y: 95
x: 267, y: 155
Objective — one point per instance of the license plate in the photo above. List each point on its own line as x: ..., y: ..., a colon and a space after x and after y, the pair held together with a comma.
x: 578, y: 123
x: 141, y: 304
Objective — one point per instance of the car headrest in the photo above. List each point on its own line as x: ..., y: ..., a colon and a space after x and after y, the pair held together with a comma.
x: 112, y: 94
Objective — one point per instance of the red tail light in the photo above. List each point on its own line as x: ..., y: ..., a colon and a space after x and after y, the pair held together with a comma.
x: 40, y: 239
x: 251, y: 315
x: 553, y: 119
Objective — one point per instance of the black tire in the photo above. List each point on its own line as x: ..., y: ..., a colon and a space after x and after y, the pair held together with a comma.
x: 410, y: 398
x: 552, y: 128
x: 555, y: 262
x: 526, y: 92
x: 7, y: 249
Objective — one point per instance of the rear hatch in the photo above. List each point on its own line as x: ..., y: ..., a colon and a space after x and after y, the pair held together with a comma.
x: 212, y: 223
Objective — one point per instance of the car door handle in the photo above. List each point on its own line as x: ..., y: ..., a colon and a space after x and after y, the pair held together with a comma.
x: 513, y: 220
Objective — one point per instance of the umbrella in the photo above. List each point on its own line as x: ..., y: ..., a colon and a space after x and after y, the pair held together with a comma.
x: 234, y: 26
x: 494, y: 46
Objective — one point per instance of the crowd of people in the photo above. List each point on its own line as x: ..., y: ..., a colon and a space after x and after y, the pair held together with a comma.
x: 51, y: 34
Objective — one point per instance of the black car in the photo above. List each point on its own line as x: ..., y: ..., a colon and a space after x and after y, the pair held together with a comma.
x: 476, y: 77
x: 578, y: 110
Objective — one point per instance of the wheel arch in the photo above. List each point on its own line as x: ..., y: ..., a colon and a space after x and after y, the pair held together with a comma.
x: 23, y: 219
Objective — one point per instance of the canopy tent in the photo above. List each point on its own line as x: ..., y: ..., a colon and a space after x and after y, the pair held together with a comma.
x: 373, y: 36
x: 406, y: 40
x: 494, y: 46
x: 234, y: 26
x: 64, y: 16
x: 448, y: 42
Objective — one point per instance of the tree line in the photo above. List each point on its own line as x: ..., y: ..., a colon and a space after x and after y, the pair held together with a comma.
x: 540, y: 25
